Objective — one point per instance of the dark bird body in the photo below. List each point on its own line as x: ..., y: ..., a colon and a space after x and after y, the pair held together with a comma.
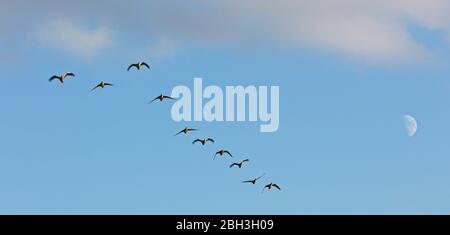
x: 203, y: 141
x: 161, y: 98
x: 61, y: 77
x: 138, y: 66
x: 221, y: 153
x: 269, y: 186
x: 253, y: 181
x: 102, y: 84
x: 239, y: 164
x: 185, y: 131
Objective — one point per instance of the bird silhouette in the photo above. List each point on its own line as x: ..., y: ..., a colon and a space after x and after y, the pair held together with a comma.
x: 253, y: 181
x: 239, y: 164
x: 203, y: 141
x: 185, y: 130
x: 222, y: 152
x: 138, y: 66
x: 61, y: 77
x: 102, y: 84
x: 161, y: 98
x: 269, y: 186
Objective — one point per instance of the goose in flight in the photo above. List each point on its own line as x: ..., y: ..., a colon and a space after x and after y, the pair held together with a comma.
x: 269, y: 186
x: 138, y: 66
x: 161, y: 98
x: 61, y: 77
x: 253, y: 181
x: 102, y: 84
x: 239, y: 164
x: 185, y: 130
x: 222, y: 152
x: 203, y: 141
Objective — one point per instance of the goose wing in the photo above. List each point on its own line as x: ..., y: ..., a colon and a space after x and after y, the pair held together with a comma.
x: 99, y: 85
x: 145, y: 64
x: 234, y: 164
x: 69, y: 75
x: 168, y: 97
x: 180, y: 132
x: 53, y: 77
x: 131, y: 66
x: 151, y: 101
x: 260, y: 176
x: 276, y: 186
x: 266, y: 186
x: 226, y: 151
x: 216, y: 155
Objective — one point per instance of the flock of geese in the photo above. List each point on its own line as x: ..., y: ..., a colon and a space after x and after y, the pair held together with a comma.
x: 186, y: 130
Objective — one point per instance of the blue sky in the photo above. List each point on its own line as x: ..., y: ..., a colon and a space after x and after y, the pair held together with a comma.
x: 341, y: 147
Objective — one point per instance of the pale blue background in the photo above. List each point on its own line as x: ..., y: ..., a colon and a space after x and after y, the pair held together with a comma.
x: 341, y: 147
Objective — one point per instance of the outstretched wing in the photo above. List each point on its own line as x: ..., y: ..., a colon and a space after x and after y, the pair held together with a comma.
x: 131, y: 66
x: 95, y: 87
x: 151, y: 101
x: 168, y: 97
x: 276, y: 186
x: 260, y: 176
x: 246, y: 160
x: 107, y: 84
x: 190, y: 129
x: 247, y: 181
x: 266, y: 186
x: 234, y: 164
x: 197, y: 140
x: 69, y: 75
x: 226, y: 151
x: 209, y: 139
x: 179, y: 132
x: 53, y: 77
x: 145, y: 64
x: 216, y: 155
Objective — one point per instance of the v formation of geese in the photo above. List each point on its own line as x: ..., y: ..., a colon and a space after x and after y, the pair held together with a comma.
x: 186, y: 130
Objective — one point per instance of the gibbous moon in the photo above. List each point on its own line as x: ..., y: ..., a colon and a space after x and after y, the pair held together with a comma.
x: 410, y: 125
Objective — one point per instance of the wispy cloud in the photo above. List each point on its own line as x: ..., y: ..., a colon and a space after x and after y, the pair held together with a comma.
x: 75, y: 39
x: 372, y: 30
x: 366, y: 29
x: 163, y: 49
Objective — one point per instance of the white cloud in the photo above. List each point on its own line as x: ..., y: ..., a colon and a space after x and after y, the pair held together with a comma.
x: 372, y: 30
x: 376, y: 30
x: 75, y: 39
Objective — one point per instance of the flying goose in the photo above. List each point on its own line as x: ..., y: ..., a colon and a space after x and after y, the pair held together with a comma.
x: 138, y: 66
x: 203, y: 141
x: 269, y: 186
x: 222, y: 152
x: 61, y: 77
x: 253, y: 181
x: 239, y: 164
x: 185, y: 130
x: 102, y: 84
x: 161, y: 98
